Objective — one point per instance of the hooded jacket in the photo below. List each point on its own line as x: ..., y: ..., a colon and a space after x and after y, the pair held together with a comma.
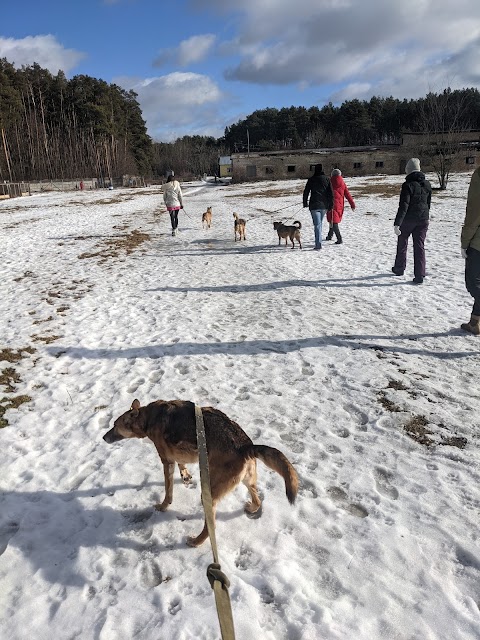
x: 340, y: 192
x: 172, y: 195
x: 415, y: 198
x: 471, y: 227
x: 319, y: 189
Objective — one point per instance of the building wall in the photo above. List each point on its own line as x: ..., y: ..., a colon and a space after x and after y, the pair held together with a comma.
x: 274, y: 166
x: 352, y: 162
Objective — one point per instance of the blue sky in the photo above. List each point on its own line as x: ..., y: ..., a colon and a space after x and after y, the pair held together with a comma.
x: 201, y: 65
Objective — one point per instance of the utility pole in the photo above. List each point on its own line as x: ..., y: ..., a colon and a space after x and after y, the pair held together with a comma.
x: 248, y: 143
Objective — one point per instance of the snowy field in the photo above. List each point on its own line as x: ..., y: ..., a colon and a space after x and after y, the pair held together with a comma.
x: 362, y: 379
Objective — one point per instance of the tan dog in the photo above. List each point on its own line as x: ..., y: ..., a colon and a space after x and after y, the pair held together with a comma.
x: 239, y: 225
x: 207, y: 218
x: 288, y: 231
x: 231, y: 454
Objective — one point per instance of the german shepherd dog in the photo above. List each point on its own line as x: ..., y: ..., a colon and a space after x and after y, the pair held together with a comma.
x: 207, y: 218
x: 239, y: 225
x: 288, y: 231
x: 231, y: 454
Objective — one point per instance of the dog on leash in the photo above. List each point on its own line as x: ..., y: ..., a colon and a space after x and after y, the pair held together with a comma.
x: 207, y: 218
x: 232, y: 455
x: 286, y: 232
x: 239, y: 225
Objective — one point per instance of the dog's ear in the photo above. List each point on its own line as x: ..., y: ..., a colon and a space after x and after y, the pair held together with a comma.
x: 135, y: 406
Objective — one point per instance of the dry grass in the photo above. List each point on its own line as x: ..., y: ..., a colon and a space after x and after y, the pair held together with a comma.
x: 45, y: 339
x: 15, y: 355
x: 396, y: 384
x: 10, y: 403
x: 270, y: 193
x: 416, y: 428
x: 112, y: 247
x: 378, y: 190
x: 9, y: 377
x: 386, y: 403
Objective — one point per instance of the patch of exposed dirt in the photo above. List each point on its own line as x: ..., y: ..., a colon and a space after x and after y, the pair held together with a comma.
x: 112, y: 247
x: 396, y: 384
x: 45, y: 339
x: 376, y: 189
x: 9, y: 378
x: 15, y: 355
x: 10, y: 403
x: 416, y: 428
x: 386, y: 403
x: 270, y: 193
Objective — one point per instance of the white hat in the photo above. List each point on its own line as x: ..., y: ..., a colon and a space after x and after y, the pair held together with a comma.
x: 412, y: 165
x: 336, y: 172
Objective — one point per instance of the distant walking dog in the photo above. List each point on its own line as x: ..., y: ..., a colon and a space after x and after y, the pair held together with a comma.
x: 286, y: 232
x: 207, y: 218
x: 239, y: 225
x: 231, y: 454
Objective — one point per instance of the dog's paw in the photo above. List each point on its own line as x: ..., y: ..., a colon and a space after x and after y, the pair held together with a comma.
x: 186, y: 477
x: 162, y: 507
x: 192, y: 541
x: 252, y: 511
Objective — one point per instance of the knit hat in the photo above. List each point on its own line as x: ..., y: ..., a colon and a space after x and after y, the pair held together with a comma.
x: 412, y: 165
x: 336, y: 172
x: 318, y: 169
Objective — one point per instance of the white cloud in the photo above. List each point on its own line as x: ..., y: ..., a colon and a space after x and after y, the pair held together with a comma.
x: 397, y: 47
x: 178, y: 104
x: 45, y: 50
x: 190, y: 51
x: 195, y: 49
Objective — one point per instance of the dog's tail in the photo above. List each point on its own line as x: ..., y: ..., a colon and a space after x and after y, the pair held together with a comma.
x: 298, y: 223
x: 275, y: 459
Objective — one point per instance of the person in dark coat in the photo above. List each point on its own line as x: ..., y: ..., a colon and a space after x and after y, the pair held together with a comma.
x: 470, y: 241
x: 412, y: 220
x: 318, y: 197
x: 335, y: 215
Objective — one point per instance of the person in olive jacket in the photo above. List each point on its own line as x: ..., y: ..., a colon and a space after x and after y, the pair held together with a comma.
x: 470, y: 240
x: 412, y: 220
x: 319, y: 189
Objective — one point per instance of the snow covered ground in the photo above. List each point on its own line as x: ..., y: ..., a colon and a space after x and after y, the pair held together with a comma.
x: 362, y: 379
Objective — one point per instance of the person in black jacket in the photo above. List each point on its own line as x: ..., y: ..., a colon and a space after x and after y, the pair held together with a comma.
x: 320, y: 190
x: 412, y: 219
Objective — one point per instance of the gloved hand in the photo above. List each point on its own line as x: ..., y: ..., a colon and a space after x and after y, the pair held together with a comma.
x: 396, y: 230
x: 353, y: 208
x: 464, y: 253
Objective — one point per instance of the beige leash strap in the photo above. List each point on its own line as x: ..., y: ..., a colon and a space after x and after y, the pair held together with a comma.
x: 218, y: 580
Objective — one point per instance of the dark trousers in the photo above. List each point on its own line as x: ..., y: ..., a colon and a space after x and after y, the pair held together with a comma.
x: 334, y: 229
x: 418, y: 231
x: 472, y: 278
x: 174, y: 218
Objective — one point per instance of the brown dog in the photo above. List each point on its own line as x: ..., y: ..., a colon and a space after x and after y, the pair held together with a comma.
x: 239, y: 225
x: 231, y: 454
x: 207, y: 218
x: 288, y: 231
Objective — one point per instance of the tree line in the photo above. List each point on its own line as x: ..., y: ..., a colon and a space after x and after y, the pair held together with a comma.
x: 54, y: 128
x: 378, y: 121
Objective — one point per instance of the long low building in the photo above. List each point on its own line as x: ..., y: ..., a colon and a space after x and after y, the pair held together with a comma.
x: 356, y: 161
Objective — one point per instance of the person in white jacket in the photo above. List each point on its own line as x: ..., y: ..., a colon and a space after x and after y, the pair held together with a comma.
x: 172, y: 196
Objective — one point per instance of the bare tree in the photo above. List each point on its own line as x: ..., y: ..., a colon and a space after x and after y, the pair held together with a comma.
x: 443, y: 119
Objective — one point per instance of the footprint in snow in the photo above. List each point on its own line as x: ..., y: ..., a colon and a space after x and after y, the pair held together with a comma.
x: 383, y: 483
x: 340, y: 497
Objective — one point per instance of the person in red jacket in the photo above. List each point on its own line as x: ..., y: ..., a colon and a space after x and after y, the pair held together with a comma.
x: 334, y: 216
